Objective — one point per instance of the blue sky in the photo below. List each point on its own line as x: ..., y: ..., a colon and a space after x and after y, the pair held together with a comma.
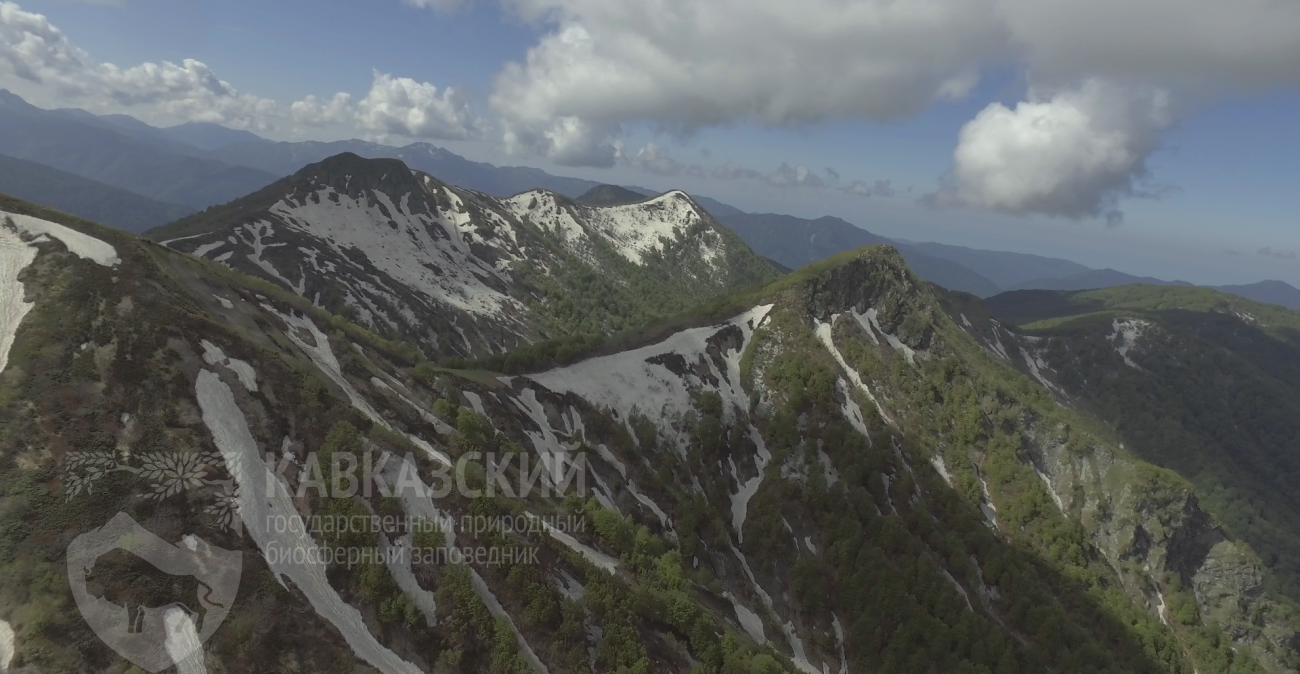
x: 1222, y: 156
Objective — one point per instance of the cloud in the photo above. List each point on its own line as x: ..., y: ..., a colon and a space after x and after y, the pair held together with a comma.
x: 36, y: 55
x: 1284, y: 254
x: 1069, y: 153
x: 832, y: 175
x: 797, y: 176
x: 881, y: 188
x: 311, y: 111
x: 681, y: 65
x: 657, y: 160
x: 402, y: 106
x: 733, y: 171
x: 445, y: 6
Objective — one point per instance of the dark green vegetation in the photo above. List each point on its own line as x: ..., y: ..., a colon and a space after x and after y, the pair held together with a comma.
x: 1216, y: 398
x: 610, y: 195
x: 85, y: 198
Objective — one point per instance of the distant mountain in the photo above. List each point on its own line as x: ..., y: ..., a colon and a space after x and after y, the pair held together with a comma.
x: 83, y: 197
x: 114, y: 157
x: 1272, y: 292
x: 285, y: 158
x: 1093, y: 278
x: 206, y: 136
x: 797, y: 242
x: 610, y: 195
x: 460, y: 273
x: 1003, y: 268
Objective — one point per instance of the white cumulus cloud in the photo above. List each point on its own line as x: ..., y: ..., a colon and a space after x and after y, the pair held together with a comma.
x: 1067, y: 153
x: 404, y: 107
x: 36, y: 58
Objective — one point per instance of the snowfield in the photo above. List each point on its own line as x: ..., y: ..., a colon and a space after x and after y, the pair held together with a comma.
x: 82, y: 245
x: 1127, y: 331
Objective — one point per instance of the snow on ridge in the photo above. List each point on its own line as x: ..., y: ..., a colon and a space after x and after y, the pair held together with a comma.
x: 83, y: 246
x: 405, y: 252
x: 15, y: 256
x: 635, y: 230
x: 595, y: 557
x: 627, y: 382
x: 824, y: 333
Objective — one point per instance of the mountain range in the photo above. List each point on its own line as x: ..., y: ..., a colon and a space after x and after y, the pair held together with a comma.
x: 838, y: 469
x: 200, y: 165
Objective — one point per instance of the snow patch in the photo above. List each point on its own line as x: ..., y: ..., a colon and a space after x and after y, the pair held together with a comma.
x: 749, y: 621
x: 1051, y: 490
x: 941, y: 468
x: 960, y: 590
x: 213, y: 355
x: 596, y: 557
x: 1127, y: 331
x: 494, y: 607
x: 224, y: 302
x: 264, y: 499
x: 322, y: 355
x: 206, y: 248
x: 6, y: 646
x: 851, y: 410
x: 807, y: 540
x: 1036, y: 366
x: 825, y: 332
x: 83, y: 246
x: 182, y: 642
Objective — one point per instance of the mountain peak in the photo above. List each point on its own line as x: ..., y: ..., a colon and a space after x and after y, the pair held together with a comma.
x: 351, y: 174
x: 610, y: 195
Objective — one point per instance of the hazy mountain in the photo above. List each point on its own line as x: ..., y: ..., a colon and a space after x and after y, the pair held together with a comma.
x: 457, y: 272
x: 90, y: 150
x: 824, y: 474
x: 1093, y: 278
x: 798, y: 242
x: 84, y: 198
x: 1003, y: 268
x: 285, y: 158
x: 207, y: 136
x: 1272, y: 292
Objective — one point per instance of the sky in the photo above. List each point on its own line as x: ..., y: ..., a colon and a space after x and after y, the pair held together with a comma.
x: 1157, y: 137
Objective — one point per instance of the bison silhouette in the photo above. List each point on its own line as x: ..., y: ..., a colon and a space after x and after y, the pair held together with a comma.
x: 204, y: 576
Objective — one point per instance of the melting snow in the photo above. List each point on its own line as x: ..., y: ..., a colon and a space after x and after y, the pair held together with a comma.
x: 1128, y: 331
x: 475, y: 402
x: 182, y: 642
x: 941, y: 468
x: 213, y: 355
x: 807, y: 540
x: 592, y: 555
x: 1051, y: 490
x: 746, y: 491
x: 206, y: 248
x: 1036, y: 366
x: 839, y: 636
x: 322, y: 355
x: 749, y: 621
x: 960, y: 590
x: 825, y: 333
x: 494, y: 607
x: 82, y: 245
x: 851, y: 410
x: 225, y: 302
x: 898, y: 345
x: 263, y: 498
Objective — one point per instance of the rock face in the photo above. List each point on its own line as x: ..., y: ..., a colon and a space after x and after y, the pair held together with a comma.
x: 459, y: 273
x: 825, y: 475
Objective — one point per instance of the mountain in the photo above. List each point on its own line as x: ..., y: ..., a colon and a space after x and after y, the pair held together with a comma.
x: 1093, y: 278
x: 208, y: 136
x: 115, y: 158
x: 797, y: 242
x: 823, y: 473
x: 284, y: 158
x: 84, y: 198
x: 1194, y: 380
x: 457, y: 272
x: 611, y: 195
x: 1003, y: 268
x: 1270, y: 292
